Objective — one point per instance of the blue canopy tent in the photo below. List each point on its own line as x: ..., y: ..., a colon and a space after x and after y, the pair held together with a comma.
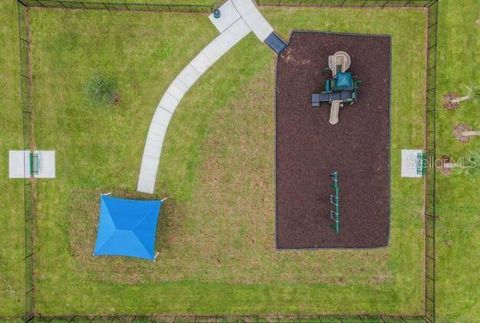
x: 127, y: 228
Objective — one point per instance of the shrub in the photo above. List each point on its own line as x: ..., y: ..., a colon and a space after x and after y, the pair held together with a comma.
x: 101, y: 89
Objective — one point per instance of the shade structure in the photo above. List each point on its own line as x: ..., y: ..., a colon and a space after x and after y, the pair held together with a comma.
x: 127, y: 227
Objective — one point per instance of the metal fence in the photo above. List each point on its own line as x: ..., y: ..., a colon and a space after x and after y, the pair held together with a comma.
x: 430, y: 143
x: 236, y: 318
x: 430, y: 120
x: 348, y: 3
x: 27, y: 111
x: 120, y: 6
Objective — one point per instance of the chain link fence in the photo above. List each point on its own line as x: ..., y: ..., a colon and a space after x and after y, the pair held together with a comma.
x: 120, y: 6
x: 430, y: 119
x: 27, y: 111
x: 348, y: 3
x: 430, y: 143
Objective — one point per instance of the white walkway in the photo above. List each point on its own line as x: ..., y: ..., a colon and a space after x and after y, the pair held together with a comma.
x: 237, y: 19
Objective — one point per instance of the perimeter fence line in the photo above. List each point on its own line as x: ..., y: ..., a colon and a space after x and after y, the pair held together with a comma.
x: 430, y: 119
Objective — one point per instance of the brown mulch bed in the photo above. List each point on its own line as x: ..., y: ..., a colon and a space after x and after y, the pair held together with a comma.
x: 308, y: 148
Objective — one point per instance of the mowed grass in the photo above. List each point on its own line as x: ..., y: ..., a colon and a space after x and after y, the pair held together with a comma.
x: 216, y: 235
x: 458, y: 202
x: 11, y: 191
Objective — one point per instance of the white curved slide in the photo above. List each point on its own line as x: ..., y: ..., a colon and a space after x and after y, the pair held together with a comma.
x: 237, y: 19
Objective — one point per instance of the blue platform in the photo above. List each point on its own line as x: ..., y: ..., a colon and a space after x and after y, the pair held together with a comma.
x: 276, y: 43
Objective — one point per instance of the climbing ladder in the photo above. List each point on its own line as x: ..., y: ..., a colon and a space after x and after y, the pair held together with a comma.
x: 335, y: 202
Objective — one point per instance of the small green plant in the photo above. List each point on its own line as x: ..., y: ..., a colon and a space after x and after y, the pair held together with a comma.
x: 101, y: 89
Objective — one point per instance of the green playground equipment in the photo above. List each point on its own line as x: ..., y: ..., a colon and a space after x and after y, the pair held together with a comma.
x: 34, y: 164
x: 341, y: 88
x: 335, y: 202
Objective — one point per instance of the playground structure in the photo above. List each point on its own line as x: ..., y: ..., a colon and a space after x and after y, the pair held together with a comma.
x: 340, y: 89
x: 335, y: 202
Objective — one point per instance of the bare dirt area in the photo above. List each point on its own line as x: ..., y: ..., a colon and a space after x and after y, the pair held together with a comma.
x: 308, y: 148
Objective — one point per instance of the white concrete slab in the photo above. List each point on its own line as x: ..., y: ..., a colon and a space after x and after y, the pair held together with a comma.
x: 177, y: 89
x: 201, y: 63
x: 19, y: 164
x: 228, y: 15
x: 260, y: 27
x: 213, y: 51
x: 410, y: 163
x: 161, y: 117
x: 253, y: 18
x: 47, y: 164
x: 148, y: 175
x: 242, y: 5
x: 189, y: 75
x: 169, y: 102
x: 149, y: 165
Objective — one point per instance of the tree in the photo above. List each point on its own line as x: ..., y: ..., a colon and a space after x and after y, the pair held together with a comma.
x: 452, y: 101
x: 464, y: 132
x: 473, y: 93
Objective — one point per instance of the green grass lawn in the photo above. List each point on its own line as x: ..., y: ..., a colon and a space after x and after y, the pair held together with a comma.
x: 202, y: 156
x: 458, y: 234
x: 216, y: 234
x: 11, y: 191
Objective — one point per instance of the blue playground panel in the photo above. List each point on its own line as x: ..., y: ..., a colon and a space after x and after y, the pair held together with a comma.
x: 276, y: 43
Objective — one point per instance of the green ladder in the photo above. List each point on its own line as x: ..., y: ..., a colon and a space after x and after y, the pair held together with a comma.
x: 335, y: 202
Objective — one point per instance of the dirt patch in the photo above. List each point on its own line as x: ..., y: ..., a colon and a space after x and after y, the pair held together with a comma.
x: 445, y: 165
x: 308, y: 148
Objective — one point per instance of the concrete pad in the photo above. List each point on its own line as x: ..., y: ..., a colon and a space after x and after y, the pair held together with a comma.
x: 239, y: 30
x: 189, y: 75
x: 234, y: 34
x: 201, y: 63
x: 253, y: 18
x: 169, y: 102
x: 228, y: 15
x: 146, y: 179
x: 153, y: 148
x: 157, y: 135
x: 160, y: 119
x: 257, y: 23
x: 213, y: 51
x: 177, y: 89
x: 410, y: 163
x: 242, y: 5
x: 225, y: 41
x: 47, y: 164
x: 19, y: 164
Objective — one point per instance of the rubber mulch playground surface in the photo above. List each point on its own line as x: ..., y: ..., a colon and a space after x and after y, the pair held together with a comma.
x: 308, y: 148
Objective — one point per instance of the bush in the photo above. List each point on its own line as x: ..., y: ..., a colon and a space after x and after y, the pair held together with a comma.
x: 101, y: 89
